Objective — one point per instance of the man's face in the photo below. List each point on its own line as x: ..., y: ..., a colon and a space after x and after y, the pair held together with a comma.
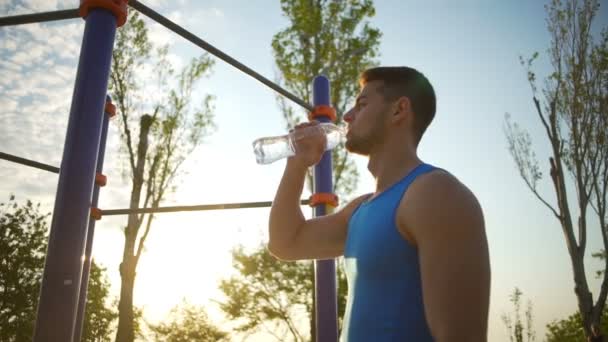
x: 367, y: 121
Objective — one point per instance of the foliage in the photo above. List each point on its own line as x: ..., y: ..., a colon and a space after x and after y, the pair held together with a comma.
x: 272, y: 295
x: 518, y: 331
x: 188, y: 323
x: 332, y: 38
x: 23, y: 243
x: 571, y: 329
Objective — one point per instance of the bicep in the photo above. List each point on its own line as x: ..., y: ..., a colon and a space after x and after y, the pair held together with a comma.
x: 323, y: 237
x: 454, y: 266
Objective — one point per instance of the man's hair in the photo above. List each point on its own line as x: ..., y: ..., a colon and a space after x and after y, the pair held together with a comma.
x: 408, y: 82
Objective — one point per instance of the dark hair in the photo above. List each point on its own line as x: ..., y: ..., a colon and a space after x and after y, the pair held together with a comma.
x: 408, y: 82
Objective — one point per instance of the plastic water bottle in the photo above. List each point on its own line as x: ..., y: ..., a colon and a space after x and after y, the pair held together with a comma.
x: 270, y: 149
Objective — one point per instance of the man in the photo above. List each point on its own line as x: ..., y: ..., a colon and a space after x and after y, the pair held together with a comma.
x: 415, y: 250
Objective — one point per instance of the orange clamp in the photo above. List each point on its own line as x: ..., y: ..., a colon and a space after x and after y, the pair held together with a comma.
x: 323, y: 110
x: 100, y: 179
x: 110, y: 109
x: 96, y: 213
x: 117, y: 7
x: 324, y: 198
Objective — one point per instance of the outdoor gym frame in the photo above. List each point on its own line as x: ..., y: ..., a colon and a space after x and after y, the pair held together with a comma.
x: 66, y: 273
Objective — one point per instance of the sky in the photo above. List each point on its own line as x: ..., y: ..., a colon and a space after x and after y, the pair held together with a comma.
x: 470, y: 52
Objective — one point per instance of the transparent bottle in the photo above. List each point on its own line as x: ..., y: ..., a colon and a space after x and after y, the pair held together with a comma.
x: 270, y: 149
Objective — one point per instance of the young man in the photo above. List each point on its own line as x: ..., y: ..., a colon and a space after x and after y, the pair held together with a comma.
x: 415, y: 250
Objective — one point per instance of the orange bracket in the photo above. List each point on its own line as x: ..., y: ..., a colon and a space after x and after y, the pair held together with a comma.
x: 110, y: 109
x: 324, y: 198
x: 96, y: 213
x: 323, y: 111
x: 117, y: 7
x: 100, y: 179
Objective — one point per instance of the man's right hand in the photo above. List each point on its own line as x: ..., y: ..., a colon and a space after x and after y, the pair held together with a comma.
x: 309, y: 144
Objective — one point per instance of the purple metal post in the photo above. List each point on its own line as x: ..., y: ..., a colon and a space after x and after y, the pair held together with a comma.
x: 86, y: 268
x: 63, y: 266
x: 325, y: 270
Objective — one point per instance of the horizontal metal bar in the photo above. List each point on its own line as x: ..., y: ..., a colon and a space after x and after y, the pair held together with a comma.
x: 214, y: 51
x: 28, y: 162
x: 191, y: 208
x: 39, y: 17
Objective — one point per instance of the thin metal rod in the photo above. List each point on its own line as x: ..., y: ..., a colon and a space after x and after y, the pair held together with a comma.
x: 28, y: 162
x: 214, y: 51
x: 191, y: 208
x: 39, y: 17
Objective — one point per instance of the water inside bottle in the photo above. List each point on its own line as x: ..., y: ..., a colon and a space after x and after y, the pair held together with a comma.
x: 271, y: 149
x: 334, y: 134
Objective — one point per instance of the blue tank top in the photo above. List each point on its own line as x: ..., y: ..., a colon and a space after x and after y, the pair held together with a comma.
x: 384, y: 300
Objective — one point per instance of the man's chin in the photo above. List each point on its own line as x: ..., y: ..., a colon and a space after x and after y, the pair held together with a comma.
x: 352, y: 148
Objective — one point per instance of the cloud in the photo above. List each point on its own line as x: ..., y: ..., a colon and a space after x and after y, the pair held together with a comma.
x: 160, y: 35
x: 217, y: 12
x: 38, y: 68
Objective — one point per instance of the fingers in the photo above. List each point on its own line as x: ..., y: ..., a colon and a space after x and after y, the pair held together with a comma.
x: 306, y: 124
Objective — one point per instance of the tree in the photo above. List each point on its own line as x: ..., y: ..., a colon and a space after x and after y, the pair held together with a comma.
x: 517, y: 329
x: 328, y: 37
x: 265, y: 292
x: 169, y: 130
x: 98, y: 316
x: 23, y: 243
x: 572, y: 109
x: 188, y: 323
x: 333, y: 38
x: 571, y: 328
x: 602, y: 256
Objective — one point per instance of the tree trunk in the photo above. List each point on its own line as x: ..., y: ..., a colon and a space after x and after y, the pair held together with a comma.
x: 125, y: 332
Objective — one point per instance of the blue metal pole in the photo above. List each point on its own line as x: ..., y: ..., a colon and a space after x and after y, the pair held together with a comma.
x: 84, y: 284
x: 63, y: 266
x: 325, y: 270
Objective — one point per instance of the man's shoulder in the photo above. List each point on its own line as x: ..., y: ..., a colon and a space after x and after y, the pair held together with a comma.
x: 435, y: 199
x: 348, y: 209
x: 437, y: 184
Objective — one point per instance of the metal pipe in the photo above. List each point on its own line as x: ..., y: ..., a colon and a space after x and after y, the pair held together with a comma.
x: 326, y: 304
x: 28, y: 162
x: 39, y: 17
x: 214, y: 51
x: 172, y: 209
x: 56, y: 315
x: 86, y: 267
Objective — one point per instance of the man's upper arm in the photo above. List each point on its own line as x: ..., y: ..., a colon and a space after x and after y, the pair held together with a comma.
x: 446, y: 222
x: 321, y: 237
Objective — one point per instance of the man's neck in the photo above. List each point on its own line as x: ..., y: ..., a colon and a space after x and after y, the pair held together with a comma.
x: 388, y: 165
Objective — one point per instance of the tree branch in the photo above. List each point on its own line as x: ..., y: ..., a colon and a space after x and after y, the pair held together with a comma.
x: 121, y: 95
x: 140, y: 246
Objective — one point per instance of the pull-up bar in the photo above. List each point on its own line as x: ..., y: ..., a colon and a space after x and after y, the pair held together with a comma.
x: 170, y: 209
x: 73, y: 13
x: 143, y: 9
x: 28, y: 162
x: 192, y: 208
x: 39, y: 17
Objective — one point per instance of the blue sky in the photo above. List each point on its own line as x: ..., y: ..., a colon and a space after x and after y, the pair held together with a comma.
x: 468, y: 49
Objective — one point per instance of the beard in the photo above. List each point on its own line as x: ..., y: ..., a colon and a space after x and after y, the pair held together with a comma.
x: 364, y: 143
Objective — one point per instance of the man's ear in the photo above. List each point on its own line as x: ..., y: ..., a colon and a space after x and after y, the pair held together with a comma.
x: 402, y: 109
